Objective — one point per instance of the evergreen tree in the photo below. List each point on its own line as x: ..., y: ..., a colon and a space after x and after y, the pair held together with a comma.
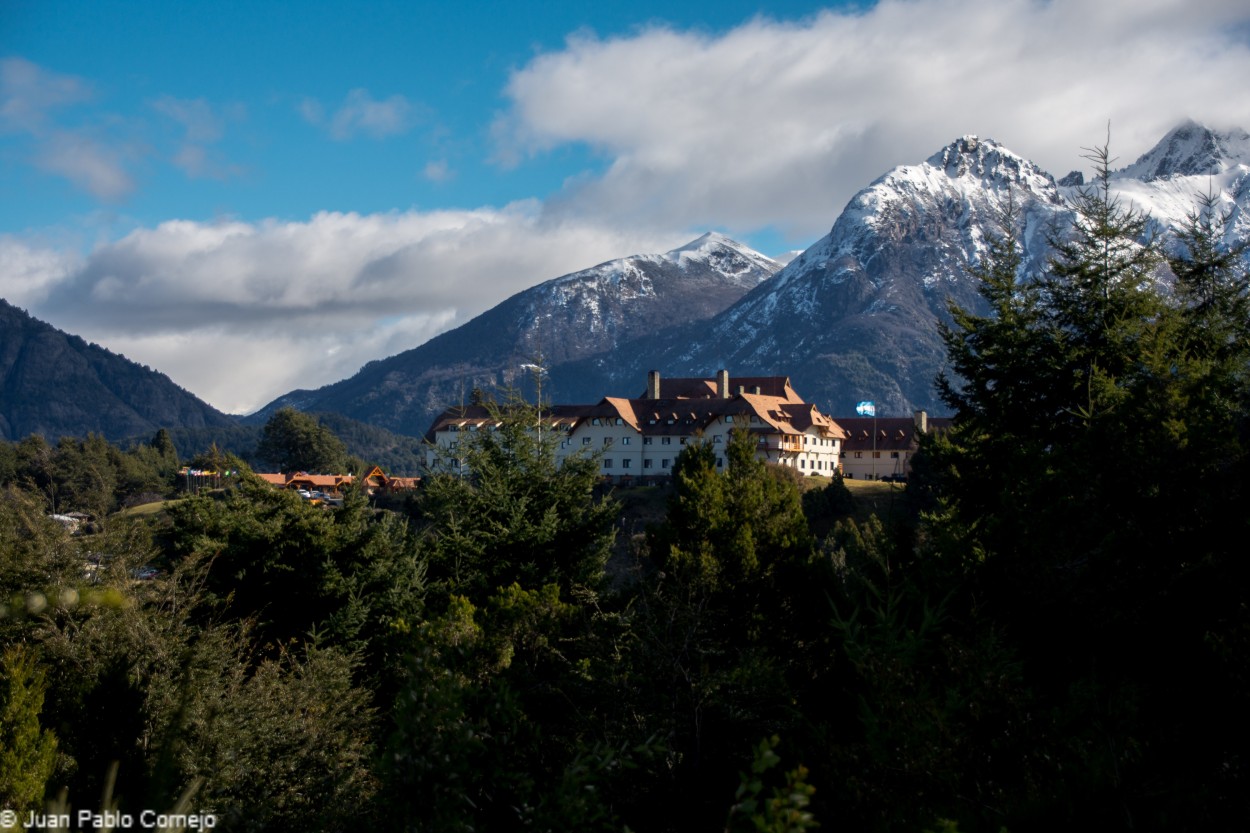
x: 513, y: 514
x: 294, y: 441
x: 1098, y: 466
x: 27, y: 751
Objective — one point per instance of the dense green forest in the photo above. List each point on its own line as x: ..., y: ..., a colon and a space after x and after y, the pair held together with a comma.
x: 397, y: 454
x: 1051, y: 632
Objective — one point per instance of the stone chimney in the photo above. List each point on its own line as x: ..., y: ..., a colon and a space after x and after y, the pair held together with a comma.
x: 922, y: 422
x: 653, y: 384
x: 722, y: 384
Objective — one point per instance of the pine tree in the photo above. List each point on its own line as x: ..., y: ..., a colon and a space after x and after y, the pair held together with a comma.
x: 295, y: 441
x: 27, y: 751
x: 516, y: 515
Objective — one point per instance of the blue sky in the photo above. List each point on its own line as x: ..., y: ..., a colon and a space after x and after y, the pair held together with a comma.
x: 281, y: 109
x: 254, y: 197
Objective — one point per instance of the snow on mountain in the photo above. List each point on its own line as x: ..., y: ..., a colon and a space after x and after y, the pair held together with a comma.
x: 1191, y: 149
x: 561, y: 320
x: 854, y: 316
x: 1191, y: 160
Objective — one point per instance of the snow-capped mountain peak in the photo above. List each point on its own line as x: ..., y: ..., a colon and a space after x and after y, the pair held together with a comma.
x: 989, y: 164
x: 724, y: 255
x: 1191, y: 149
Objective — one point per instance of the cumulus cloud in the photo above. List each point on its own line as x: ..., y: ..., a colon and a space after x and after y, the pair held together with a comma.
x: 779, y: 123
x: 360, y: 113
x: 300, y: 304
x: 28, y: 272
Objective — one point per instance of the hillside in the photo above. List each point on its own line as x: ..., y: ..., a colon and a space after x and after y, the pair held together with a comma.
x: 56, y: 384
x: 856, y: 315
x: 593, y: 311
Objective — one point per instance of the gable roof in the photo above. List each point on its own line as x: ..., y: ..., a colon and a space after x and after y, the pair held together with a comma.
x: 892, y: 433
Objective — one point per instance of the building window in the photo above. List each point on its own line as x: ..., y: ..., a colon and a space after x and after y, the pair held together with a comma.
x: 452, y: 444
x: 585, y: 440
x: 717, y: 438
x: 607, y: 441
x: 894, y: 455
x: 453, y: 428
x: 729, y: 418
x: 624, y: 440
x: 646, y: 441
x: 625, y: 463
x: 720, y: 462
x: 683, y: 440
x: 595, y: 421
x: 607, y: 463
x: 646, y: 464
x: 876, y: 455
x: 858, y: 454
x: 664, y: 463
x: 802, y: 464
x: 666, y: 440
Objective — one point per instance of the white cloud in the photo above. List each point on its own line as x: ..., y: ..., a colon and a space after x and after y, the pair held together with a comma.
x: 361, y: 113
x: 28, y: 272
x: 242, y: 312
x: 28, y: 92
x: 778, y: 123
x: 28, y: 96
x: 92, y: 166
x: 203, y: 125
x: 438, y: 171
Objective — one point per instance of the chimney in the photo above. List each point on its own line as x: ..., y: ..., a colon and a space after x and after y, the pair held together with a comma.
x: 922, y: 422
x: 722, y: 384
x: 756, y: 390
x: 653, y: 384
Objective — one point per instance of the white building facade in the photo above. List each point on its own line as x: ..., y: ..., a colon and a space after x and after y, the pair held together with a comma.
x: 637, y: 440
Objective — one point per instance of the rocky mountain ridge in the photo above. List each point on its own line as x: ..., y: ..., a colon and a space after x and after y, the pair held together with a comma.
x: 852, y: 317
x: 856, y: 315
x: 596, y: 310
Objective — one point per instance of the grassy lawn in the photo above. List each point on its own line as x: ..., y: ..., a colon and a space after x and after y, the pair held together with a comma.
x: 145, y: 510
x: 875, y: 497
